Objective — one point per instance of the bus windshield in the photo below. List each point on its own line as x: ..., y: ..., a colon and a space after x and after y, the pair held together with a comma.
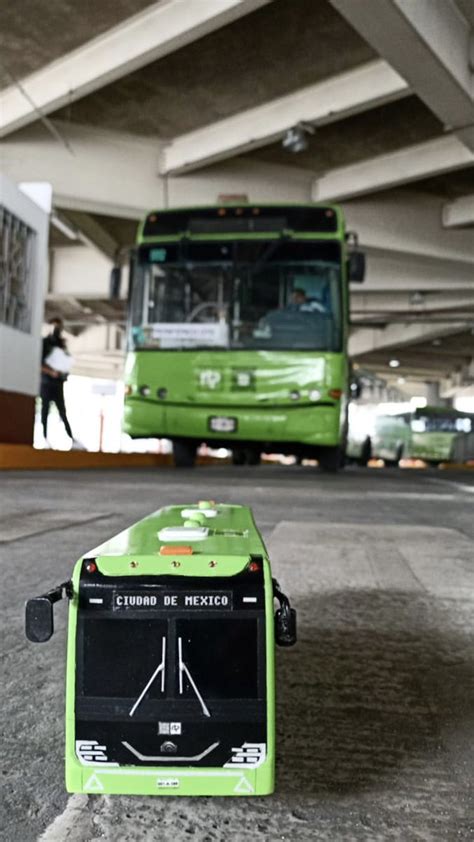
x: 258, y: 295
x: 441, y: 424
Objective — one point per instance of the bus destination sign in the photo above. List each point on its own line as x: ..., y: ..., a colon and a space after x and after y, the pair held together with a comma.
x: 188, y: 600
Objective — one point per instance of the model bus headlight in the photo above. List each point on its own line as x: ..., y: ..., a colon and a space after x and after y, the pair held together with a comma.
x: 314, y: 395
x: 295, y: 396
x: 144, y: 391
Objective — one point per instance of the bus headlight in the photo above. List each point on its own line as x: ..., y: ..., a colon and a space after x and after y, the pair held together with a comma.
x: 144, y: 391
x: 314, y: 395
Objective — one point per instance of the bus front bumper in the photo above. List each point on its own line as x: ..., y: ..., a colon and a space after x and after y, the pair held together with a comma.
x: 314, y: 425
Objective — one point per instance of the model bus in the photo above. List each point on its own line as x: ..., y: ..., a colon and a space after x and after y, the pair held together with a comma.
x: 170, y: 683
x: 433, y: 434
x: 238, y: 324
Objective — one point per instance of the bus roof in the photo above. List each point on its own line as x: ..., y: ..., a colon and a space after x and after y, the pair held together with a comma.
x: 247, y: 220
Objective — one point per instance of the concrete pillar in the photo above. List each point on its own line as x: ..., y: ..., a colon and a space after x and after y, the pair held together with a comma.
x: 433, y: 397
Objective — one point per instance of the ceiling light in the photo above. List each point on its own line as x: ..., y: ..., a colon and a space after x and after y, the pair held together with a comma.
x: 394, y: 363
x: 296, y: 138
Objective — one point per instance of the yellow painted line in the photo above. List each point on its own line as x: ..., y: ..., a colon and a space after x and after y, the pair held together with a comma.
x: 24, y: 457
x: 457, y: 466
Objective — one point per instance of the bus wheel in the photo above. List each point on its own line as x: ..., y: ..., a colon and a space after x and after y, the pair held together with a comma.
x: 365, y: 455
x: 393, y: 463
x: 238, y: 456
x: 252, y: 456
x: 331, y: 459
x: 184, y: 453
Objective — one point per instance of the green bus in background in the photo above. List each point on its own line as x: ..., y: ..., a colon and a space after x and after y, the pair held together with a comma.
x: 432, y: 433
x: 238, y: 326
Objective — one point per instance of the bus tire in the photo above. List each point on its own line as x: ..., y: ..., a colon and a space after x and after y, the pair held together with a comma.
x: 238, y: 456
x: 331, y: 459
x: 393, y: 463
x: 252, y: 456
x: 184, y: 453
x: 366, y: 454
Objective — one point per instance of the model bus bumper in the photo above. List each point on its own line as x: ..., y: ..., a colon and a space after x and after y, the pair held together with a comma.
x: 314, y: 425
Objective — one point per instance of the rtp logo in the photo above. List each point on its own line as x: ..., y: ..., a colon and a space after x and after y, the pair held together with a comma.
x: 209, y: 378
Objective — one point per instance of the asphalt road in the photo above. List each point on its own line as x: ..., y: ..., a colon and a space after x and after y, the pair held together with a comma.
x: 375, y: 712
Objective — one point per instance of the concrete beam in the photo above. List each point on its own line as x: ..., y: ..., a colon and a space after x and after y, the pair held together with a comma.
x: 367, y: 86
x: 406, y: 165
x: 368, y: 339
x: 460, y: 213
x: 116, y: 174
x: 410, y: 222
x: 396, y: 302
x: 410, y: 273
x: 428, y: 43
x: 159, y: 30
x: 93, y: 234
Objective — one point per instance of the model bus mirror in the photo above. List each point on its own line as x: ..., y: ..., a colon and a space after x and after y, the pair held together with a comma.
x: 356, y: 266
x: 39, y: 621
x: 285, y: 619
x: 115, y: 282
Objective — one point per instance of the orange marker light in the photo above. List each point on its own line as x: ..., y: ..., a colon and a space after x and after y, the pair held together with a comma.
x: 170, y: 550
x: 335, y: 393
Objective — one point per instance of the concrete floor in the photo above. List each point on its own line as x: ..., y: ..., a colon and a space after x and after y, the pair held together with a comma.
x: 375, y: 712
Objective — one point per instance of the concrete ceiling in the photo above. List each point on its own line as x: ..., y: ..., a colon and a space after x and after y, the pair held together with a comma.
x: 268, y: 53
x: 359, y: 137
x: 228, y: 78
x: 438, y: 357
x: 32, y: 35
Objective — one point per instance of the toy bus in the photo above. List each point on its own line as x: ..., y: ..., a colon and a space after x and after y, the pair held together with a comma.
x: 170, y: 684
x: 238, y: 328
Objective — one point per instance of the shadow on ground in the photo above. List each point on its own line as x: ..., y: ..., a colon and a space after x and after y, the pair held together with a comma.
x: 378, y: 694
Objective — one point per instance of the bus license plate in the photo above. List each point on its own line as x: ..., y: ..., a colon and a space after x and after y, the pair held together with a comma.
x: 222, y: 424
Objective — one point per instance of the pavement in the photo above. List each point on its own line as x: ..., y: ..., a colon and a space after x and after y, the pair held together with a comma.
x: 375, y: 709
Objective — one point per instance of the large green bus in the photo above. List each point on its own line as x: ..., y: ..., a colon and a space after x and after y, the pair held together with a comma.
x: 238, y: 325
x: 432, y: 433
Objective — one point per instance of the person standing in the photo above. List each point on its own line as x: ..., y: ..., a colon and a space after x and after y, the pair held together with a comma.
x: 52, y: 380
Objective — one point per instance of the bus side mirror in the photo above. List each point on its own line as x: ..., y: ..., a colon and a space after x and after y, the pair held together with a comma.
x: 356, y: 266
x: 39, y: 622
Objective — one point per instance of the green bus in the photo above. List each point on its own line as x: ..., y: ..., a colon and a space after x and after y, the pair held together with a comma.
x: 431, y: 433
x: 237, y: 335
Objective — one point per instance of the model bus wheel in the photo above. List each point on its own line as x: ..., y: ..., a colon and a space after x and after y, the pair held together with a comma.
x: 331, y: 459
x: 184, y: 453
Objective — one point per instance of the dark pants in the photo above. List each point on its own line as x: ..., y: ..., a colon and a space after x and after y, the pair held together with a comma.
x: 52, y: 391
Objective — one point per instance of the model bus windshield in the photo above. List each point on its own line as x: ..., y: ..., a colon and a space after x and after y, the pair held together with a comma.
x: 257, y: 295
x: 203, y: 660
